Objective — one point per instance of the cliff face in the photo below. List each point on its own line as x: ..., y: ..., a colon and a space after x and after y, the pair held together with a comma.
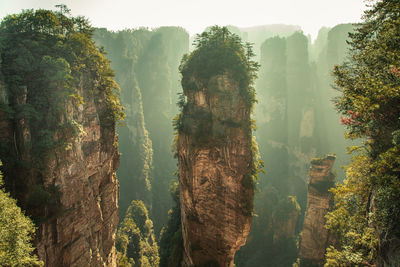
x: 215, y: 202
x: 78, y: 229
x: 315, y: 237
x: 84, y: 235
x: 58, y: 113
x: 284, y: 227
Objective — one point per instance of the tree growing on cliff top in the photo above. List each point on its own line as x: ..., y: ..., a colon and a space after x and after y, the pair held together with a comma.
x: 47, y: 59
x: 367, y: 214
x: 218, y: 50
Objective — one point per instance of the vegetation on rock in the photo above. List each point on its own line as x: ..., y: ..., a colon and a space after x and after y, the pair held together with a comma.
x: 136, y: 244
x: 217, y: 51
x: 171, y: 242
x: 47, y: 58
x: 367, y: 213
x: 146, y: 66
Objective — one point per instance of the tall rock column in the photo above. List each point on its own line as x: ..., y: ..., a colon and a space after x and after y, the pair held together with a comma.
x: 58, y: 113
x: 216, y: 159
x: 315, y: 237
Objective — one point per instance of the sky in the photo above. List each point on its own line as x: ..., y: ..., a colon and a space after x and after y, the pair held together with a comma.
x: 196, y: 15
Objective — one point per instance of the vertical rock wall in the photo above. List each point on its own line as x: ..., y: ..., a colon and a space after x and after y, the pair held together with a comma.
x: 84, y: 233
x: 214, y: 160
x: 315, y: 237
x: 72, y: 191
x: 78, y: 227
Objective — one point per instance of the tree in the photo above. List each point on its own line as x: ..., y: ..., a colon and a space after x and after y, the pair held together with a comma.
x: 47, y: 58
x: 218, y: 50
x: 135, y: 240
x: 16, y: 233
x: 367, y: 214
x: 171, y: 242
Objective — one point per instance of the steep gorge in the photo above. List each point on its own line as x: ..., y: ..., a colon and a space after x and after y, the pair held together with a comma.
x: 146, y: 65
x: 296, y: 121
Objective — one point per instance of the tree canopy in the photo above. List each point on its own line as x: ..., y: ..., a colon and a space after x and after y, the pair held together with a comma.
x: 50, y: 50
x: 217, y: 51
x: 16, y: 233
x: 367, y: 213
x: 135, y: 240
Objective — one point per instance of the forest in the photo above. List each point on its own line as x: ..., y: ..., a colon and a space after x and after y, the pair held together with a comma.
x: 244, y: 147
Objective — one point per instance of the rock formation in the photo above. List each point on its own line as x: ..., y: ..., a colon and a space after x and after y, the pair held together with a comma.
x: 58, y: 141
x: 285, y: 220
x: 315, y: 237
x: 214, y: 159
x: 82, y: 230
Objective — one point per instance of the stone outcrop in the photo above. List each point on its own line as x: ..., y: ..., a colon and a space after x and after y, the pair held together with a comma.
x: 215, y: 159
x: 315, y: 237
x: 284, y: 228
x: 59, y: 106
x: 72, y: 192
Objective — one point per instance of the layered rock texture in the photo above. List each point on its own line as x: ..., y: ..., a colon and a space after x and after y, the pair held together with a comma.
x: 58, y: 113
x: 77, y: 227
x: 315, y: 237
x: 215, y: 159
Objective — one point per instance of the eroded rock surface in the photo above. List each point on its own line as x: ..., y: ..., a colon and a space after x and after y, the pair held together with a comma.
x: 315, y: 237
x: 72, y: 192
x: 215, y: 160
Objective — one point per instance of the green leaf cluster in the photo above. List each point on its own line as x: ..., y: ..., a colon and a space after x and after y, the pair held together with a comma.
x: 217, y: 51
x: 171, y: 240
x: 367, y: 212
x: 16, y: 233
x: 47, y: 59
x: 135, y: 239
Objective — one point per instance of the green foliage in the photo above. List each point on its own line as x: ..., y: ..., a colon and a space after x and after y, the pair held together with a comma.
x: 324, y: 186
x: 269, y: 244
x: 217, y: 51
x: 16, y: 234
x: 146, y: 66
x: 135, y: 239
x: 46, y: 57
x: 317, y: 161
x: 171, y: 241
x: 349, y: 220
x: 251, y: 179
x: 367, y: 212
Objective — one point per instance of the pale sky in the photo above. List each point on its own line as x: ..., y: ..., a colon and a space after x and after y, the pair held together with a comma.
x: 196, y: 15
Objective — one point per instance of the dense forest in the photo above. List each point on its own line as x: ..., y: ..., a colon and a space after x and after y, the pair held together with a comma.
x: 237, y: 147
